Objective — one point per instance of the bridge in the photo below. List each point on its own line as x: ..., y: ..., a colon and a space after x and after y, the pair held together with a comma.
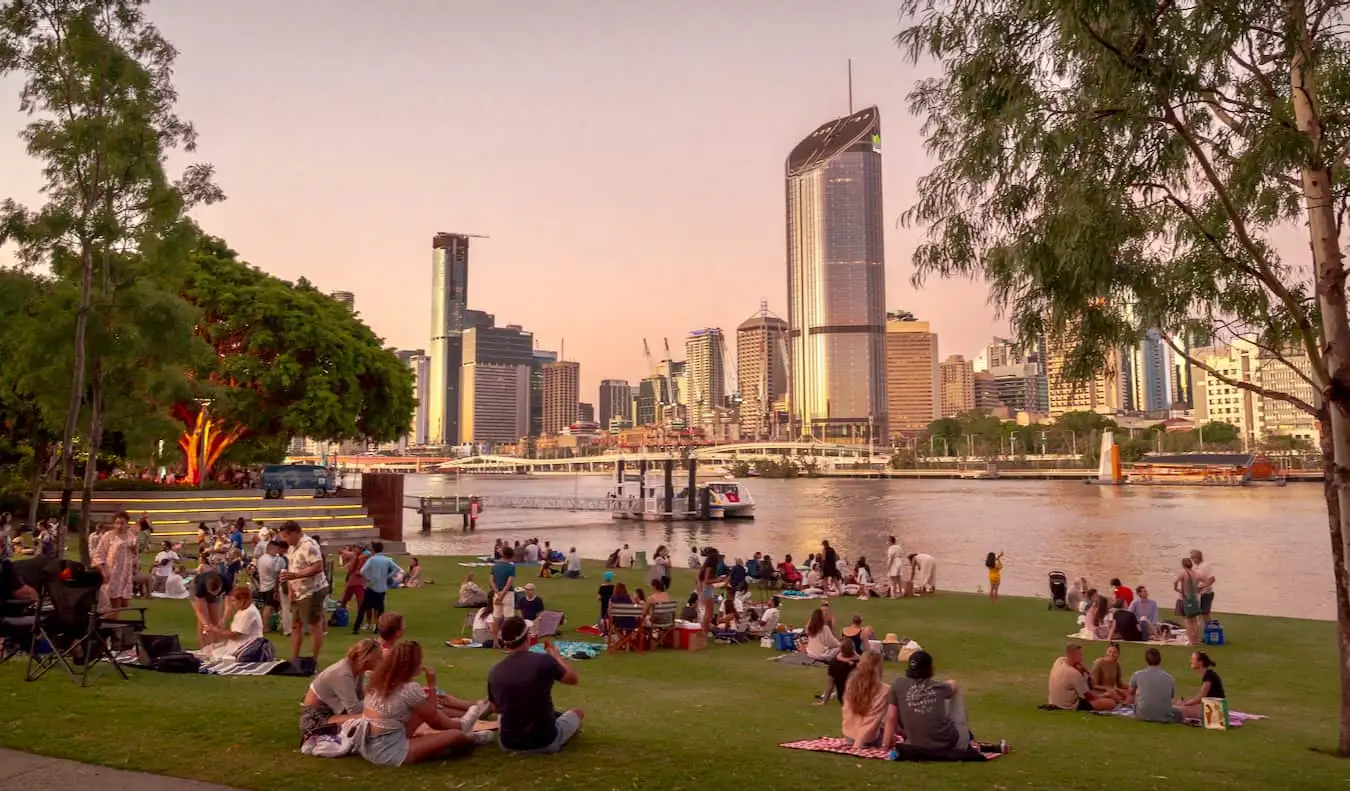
x: 825, y: 455
x: 458, y: 505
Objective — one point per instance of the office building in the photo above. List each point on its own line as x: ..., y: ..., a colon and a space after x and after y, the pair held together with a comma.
x: 1149, y: 371
x: 450, y: 316
x: 912, y: 393
x: 706, y: 371
x: 1277, y: 418
x: 647, y: 402
x: 616, y: 400
x: 987, y: 392
x: 347, y: 298
x: 1103, y: 392
x: 585, y: 412
x: 1019, y: 387
x: 837, y: 281
x: 761, y: 371
x: 1225, y: 403
x: 417, y: 362
x: 562, y: 388
x: 494, y: 384
x: 957, y: 385
x: 539, y: 360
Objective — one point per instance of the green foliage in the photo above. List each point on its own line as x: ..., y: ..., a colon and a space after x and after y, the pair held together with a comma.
x: 289, y: 360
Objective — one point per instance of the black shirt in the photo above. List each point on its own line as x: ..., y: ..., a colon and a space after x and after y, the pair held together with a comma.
x: 1127, y: 626
x: 840, y: 670
x: 606, y: 591
x: 521, y: 687
x: 199, y: 586
x: 9, y: 580
x: 829, y: 566
x: 1215, y: 684
x: 530, y: 608
x: 738, y: 575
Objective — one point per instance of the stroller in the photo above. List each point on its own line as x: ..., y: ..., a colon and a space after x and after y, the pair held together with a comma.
x: 1059, y: 591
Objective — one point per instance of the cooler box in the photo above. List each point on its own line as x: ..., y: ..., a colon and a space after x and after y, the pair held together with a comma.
x: 690, y: 639
x: 784, y: 641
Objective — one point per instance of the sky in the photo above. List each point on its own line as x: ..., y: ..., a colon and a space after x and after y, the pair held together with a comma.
x: 625, y: 158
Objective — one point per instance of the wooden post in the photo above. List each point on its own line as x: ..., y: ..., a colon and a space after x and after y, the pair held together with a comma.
x: 382, y: 497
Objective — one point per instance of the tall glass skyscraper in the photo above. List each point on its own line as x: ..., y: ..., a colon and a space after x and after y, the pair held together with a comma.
x: 837, y: 281
x: 450, y: 316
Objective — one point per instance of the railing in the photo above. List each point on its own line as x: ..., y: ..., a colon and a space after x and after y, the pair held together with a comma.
x: 456, y: 505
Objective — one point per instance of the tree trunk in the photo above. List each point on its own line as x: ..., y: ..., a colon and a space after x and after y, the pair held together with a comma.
x: 41, y: 472
x: 1329, y: 285
x: 76, y: 396
x: 91, y: 464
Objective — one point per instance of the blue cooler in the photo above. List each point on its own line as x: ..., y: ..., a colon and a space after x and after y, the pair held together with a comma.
x: 784, y: 641
x: 1213, y: 633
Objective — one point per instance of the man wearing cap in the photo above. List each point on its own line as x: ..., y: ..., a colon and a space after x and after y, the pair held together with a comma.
x: 520, y: 689
x: 930, y: 713
x: 530, y: 605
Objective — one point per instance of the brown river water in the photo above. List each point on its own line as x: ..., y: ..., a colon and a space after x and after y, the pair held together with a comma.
x: 1267, y: 547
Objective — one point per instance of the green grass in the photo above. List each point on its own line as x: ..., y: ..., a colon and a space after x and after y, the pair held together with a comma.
x: 677, y: 720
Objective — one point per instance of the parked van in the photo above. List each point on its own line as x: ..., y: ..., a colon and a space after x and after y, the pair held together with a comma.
x: 277, y: 478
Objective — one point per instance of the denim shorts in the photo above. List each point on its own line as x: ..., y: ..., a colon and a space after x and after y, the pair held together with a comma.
x: 389, y: 748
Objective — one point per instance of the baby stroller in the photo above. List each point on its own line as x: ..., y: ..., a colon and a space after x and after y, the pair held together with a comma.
x: 1059, y: 591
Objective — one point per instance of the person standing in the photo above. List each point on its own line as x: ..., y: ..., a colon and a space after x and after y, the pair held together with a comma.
x: 707, y: 592
x: 994, y: 562
x: 1204, y: 579
x: 376, y: 572
x: 923, y: 573
x: 473, y: 513
x: 829, y: 568
x: 269, y: 571
x: 116, y: 558
x: 307, y: 582
x: 895, y: 565
x: 1187, y: 586
x: 352, y: 557
x: 520, y: 690
x: 503, y: 592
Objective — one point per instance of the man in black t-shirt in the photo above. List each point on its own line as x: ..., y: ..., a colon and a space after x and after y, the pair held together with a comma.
x: 1124, y: 625
x: 520, y: 688
x: 12, y: 587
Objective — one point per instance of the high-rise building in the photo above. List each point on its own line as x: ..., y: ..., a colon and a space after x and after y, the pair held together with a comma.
x: 417, y: 362
x: 761, y: 371
x: 616, y: 400
x: 562, y: 388
x: 987, y: 392
x: 1291, y: 375
x: 585, y: 412
x: 494, y: 384
x: 449, y: 303
x: 1225, y: 403
x: 706, y: 369
x: 912, y: 394
x: 346, y: 298
x: 647, y: 402
x: 1150, y: 374
x: 837, y: 280
x: 540, y: 359
x: 1103, y: 392
x: 957, y: 377
x: 1019, y: 387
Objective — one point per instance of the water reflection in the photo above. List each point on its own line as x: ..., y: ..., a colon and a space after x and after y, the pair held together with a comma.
x: 1268, y: 547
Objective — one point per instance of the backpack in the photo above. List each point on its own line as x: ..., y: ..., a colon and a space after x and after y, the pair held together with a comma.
x: 178, y: 662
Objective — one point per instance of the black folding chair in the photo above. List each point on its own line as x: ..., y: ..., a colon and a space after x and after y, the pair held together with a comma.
x: 17, y: 617
x: 68, y: 631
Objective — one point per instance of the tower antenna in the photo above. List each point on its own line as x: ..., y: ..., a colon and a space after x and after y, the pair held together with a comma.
x: 850, y: 86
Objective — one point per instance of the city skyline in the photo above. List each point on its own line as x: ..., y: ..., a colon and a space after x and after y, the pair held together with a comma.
x: 570, y: 218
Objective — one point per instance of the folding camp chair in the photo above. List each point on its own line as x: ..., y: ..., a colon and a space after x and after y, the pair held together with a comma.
x: 625, y: 627
x: 68, y: 630
x: 661, y: 624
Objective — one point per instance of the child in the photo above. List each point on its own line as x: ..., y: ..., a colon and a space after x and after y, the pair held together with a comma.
x: 690, y: 611
x: 840, y: 668
x: 995, y: 565
x: 606, y: 592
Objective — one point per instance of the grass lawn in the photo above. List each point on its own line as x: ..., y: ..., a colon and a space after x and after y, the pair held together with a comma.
x: 676, y: 720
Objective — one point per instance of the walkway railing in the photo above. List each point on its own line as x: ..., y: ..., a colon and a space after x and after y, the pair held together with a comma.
x: 457, y: 505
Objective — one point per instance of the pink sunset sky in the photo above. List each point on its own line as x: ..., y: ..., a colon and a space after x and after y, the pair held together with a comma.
x: 625, y: 157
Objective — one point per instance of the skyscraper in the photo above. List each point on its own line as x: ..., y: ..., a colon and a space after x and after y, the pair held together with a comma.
x: 761, y: 371
x: 541, y: 358
x: 706, y: 369
x: 495, y: 384
x: 345, y: 297
x: 562, y: 391
x: 958, y: 385
x: 1150, y: 374
x: 417, y: 362
x: 616, y: 401
x: 1103, y: 393
x: 837, y: 280
x: 449, y: 300
x: 912, y: 397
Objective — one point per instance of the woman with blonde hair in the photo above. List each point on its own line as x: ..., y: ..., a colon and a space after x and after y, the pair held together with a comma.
x: 866, y: 701
x: 335, y: 694
x: 396, y: 706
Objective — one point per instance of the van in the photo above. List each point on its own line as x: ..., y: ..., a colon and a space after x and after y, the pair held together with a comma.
x: 277, y: 478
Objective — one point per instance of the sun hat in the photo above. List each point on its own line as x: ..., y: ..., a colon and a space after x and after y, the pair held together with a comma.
x: 891, y: 639
x: 609, y: 576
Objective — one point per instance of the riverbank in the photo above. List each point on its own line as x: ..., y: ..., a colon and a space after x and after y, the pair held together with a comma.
x: 711, y: 718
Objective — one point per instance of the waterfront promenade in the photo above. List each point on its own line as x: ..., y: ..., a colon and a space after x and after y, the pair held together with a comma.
x: 714, y: 718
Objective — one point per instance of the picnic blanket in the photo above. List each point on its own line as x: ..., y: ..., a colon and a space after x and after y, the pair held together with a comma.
x: 797, y: 659
x: 801, y: 595
x: 1235, y: 718
x: 477, y: 564
x: 228, y: 667
x: 842, y: 746
x: 573, y: 649
x: 1083, y: 637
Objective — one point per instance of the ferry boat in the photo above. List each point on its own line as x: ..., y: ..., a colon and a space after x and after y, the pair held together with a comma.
x: 729, y: 497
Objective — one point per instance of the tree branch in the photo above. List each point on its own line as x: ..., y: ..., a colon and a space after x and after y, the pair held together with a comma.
x: 1240, y: 383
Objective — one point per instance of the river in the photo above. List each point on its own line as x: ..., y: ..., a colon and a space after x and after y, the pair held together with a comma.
x: 1267, y: 547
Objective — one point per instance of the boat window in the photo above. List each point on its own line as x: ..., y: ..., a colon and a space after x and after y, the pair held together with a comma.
x: 722, y: 488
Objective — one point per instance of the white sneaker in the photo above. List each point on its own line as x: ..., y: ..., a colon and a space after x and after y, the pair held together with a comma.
x: 471, y: 717
x: 483, y: 738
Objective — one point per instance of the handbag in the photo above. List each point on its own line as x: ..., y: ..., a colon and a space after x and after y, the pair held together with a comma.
x: 1188, y: 604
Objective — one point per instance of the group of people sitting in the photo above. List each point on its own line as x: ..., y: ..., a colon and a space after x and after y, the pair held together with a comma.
x: 373, y: 699
x: 1128, y: 615
x: 1151, y: 691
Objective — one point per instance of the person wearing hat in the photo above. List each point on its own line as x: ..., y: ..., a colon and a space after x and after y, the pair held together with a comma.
x: 931, y: 714
x: 520, y: 689
x: 605, y: 592
x: 890, y: 646
x: 531, y: 604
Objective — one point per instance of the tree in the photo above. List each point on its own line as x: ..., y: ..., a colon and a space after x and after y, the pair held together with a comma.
x: 1111, y: 167
x: 97, y: 81
x: 287, y: 360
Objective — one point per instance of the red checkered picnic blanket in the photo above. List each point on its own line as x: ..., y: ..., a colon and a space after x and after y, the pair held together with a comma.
x: 838, y: 745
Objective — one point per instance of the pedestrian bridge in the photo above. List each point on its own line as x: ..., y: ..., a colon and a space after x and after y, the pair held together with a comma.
x: 459, y: 505
x: 826, y: 455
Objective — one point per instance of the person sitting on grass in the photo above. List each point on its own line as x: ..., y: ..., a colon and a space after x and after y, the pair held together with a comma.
x: 530, y: 605
x: 866, y: 699
x: 520, y: 691
x: 1211, y: 686
x: 396, y: 706
x: 413, y: 578
x: 730, y: 617
x: 1124, y: 625
x: 483, y: 626
x: 389, y: 628
x: 837, y: 674
x: 821, y: 644
x: 1154, y: 689
x: 573, y: 565
x: 859, y: 634
x: 1069, y: 688
x: 246, y: 625
x: 1106, y: 677
x: 788, y: 573
x: 470, y: 595
x: 767, y: 623
x: 334, y: 696
x: 931, y: 714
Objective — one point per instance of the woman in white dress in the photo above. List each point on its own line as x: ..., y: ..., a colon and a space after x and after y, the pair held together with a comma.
x: 246, y: 625
x: 895, y: 566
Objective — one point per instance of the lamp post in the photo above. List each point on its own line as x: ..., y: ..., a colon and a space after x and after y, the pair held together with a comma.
x: 204, y: 418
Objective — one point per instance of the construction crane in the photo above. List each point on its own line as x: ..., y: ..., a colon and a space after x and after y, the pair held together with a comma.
x: 647, y: 355
x: 466, y: 235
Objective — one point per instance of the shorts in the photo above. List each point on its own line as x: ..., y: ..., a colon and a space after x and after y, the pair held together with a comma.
x: 267, y: 598
x: 313, y: 718
x: 567, y: 724
x: 308, y: 610
x: 505, y: 608
x: 707, y: 594
x: 389, y: 748
x: 1206, y: 601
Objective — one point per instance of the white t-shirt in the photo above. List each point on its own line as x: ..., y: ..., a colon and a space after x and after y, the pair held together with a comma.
x: 574, y: 562
x: 269, y: 566
x: 1202, y: 583
x: 626, y: 558
x: 163, y: 569
x: 531, y: 553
